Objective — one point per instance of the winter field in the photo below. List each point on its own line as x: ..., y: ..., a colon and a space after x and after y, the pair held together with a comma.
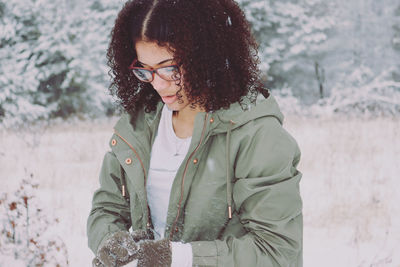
x: 350, y: 177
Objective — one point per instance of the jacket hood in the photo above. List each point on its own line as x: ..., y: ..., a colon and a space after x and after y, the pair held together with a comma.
x: 240, y: 114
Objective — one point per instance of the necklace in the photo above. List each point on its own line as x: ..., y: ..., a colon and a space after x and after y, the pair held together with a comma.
x: 178, y: 146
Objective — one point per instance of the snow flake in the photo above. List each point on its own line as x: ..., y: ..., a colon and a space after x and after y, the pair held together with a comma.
x: 228, y: 21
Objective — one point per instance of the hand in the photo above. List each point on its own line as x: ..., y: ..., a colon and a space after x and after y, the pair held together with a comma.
x: 154, y: 253
x: 119, y: 249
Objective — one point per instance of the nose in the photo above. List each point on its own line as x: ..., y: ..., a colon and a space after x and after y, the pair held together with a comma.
x: 159, y: 83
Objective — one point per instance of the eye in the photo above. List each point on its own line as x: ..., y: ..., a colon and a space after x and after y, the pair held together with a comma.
x: 142, y: 75
x: 169, y: 73
x: 139, y: 65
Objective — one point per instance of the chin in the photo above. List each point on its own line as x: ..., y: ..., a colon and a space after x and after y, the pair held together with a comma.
x: 173, y: 107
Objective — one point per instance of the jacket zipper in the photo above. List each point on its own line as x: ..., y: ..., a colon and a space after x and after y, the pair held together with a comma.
x: 183, y: 179
x: 148, y: 223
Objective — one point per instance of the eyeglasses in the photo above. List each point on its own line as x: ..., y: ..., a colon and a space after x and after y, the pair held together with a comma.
x: 168, y: 73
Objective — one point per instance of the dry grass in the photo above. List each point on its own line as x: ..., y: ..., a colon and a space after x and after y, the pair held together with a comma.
x: 349, y: 188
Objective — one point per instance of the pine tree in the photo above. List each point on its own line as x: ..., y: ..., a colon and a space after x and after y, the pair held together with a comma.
x: 292, y: 37
x: 364, y: 63
x: 53, y: 59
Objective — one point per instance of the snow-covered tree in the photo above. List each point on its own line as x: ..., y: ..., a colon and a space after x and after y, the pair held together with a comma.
x: 364, y: 95
x: 339, y: 50
x: 36, y: 51
x: 292, y: 37
x: 363, y: 68
x: 53, y: 58
x: 96, y: 21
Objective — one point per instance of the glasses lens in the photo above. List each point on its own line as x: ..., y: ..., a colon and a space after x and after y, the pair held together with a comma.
x: 170, y: 73
x: 143, y: 75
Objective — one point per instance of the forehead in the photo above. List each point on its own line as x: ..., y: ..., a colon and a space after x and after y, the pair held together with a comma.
x: 151, y: 54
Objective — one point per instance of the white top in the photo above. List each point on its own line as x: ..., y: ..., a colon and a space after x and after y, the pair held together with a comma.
x: 167, y: 154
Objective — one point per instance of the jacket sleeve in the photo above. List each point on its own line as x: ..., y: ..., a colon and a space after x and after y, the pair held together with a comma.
x: 110, y: 211
x: 267, y: 200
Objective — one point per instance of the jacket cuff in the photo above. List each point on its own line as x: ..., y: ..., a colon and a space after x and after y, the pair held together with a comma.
x: 208, y: 253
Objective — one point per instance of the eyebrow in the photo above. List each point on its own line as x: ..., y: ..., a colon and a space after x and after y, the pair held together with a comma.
x: 159, y: 63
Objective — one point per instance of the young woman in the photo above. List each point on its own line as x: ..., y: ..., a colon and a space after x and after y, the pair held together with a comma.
x: 200, y: 172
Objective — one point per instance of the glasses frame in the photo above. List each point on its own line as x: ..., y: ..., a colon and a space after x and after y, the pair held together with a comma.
x: 152, y: 71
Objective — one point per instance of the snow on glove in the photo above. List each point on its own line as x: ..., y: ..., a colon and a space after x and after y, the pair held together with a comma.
x: 154, y: 253
x: 97, y: 263
x: 119, y: 249
x: 138, y: 235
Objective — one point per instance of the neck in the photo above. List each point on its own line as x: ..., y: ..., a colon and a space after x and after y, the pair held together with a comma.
x: 183, y: 122
x: 186, y: 117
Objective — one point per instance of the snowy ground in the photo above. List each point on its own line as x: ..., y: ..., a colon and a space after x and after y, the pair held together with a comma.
x: 350, y: 174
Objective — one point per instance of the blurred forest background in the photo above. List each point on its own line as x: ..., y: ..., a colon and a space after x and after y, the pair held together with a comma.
x: 317, y: 56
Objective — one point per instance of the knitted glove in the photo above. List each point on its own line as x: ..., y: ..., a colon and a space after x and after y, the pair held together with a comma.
x: 154, y: 253
x: 97, y: 263
x: 119, y: 249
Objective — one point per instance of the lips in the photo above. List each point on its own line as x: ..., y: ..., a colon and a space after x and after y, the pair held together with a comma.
x: 169, y: 99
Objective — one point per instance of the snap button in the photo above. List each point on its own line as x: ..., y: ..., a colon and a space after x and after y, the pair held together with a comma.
x: 113, y: 142
x: 128, y: 161
x: 212, y: 120
x: 195, y: 161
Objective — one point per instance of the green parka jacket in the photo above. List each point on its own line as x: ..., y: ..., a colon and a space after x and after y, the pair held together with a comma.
x: 241, y: 164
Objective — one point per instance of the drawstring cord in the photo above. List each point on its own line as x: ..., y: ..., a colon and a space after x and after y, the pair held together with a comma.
x: 228, y: 181
x: 123, y: 184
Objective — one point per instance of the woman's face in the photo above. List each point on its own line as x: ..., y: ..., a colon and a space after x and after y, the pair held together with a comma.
x: 151, y: 55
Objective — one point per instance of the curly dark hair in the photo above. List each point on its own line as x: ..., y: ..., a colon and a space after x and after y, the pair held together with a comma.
x: 210, y: 39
